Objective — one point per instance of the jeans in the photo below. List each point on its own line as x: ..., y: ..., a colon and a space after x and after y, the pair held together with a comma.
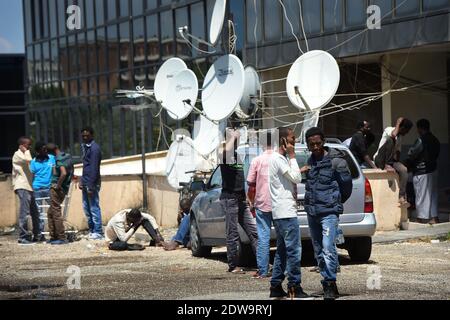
x: 40, y: 194
x: 91, y: 207
x: 237, y: 211
x: 289, y: 253
x: 263, y: 224
x: 27, y: 207
x: 323, y: 235
x: 182, y: 236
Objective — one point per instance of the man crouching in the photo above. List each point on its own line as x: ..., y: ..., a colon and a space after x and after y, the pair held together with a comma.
x: 124, y: 224
x: 329, y: 185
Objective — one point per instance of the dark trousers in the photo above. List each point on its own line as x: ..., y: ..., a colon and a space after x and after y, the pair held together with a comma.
x: 237, y: 211
x: 54, y: 215
x: 27, y: 207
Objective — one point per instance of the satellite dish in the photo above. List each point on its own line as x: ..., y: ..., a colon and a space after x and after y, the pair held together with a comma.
x: 313, y: 80
x: 164, y: 76
x: 223, y: 87
x: 252, y: 87
x: 180, y: 159
x: 218, y: 16
x: 181, y: 95
x: 207, y: 135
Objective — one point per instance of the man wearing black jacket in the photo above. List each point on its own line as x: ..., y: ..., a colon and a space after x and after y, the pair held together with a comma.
x: 328, y: 186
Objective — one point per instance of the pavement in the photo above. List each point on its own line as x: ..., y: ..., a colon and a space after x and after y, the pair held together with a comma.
x: 416, y: 231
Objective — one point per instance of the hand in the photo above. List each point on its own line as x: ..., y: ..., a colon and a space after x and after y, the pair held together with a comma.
x: 233, y: 134
x: 305, y: 169
x: 80, y: 186
x: 289, y: 149
x: 399, y: 122
x: 23, y: 148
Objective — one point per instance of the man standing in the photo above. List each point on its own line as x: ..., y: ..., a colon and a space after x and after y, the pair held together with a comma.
x: 423, y: 156
x: 234, y: 203
x: 62, y: 176
x: 328, y: 186
x: 90, y: 183
x: 42, y: 169
x: 388, y: 155
x: 259, y: 197
x: 358, y: 146
x: 284, y: 175
x: 22, y: 180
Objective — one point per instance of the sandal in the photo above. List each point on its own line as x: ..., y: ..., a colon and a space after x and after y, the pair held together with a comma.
x: 237, y: 270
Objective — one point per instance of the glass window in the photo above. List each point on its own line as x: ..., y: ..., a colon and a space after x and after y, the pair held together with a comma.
x: 44, y: 17
x: 198, y: 26
x: 152, y: 38
x: 139, y: 40
x: 293, y: 13
x: 63, y: 58
x: 167, y: 2
x: 356, y: 12
x: 112, y: 9
x: 73, y: 57
x: 124, y: 39
x: 216, y: 179
x: 28, y: 22
x: 30, y: 69
x: 89, y: 8
x: 385, y: 7
x: 46, y: 62
x: 332, y: 15
x: 272, y: 20
x: 311, y: 16
x: 113, y: 48
x: 124, y: 10
x: 61, y: 16
x: 101, y: 51
x: 37, y: 62
x: 407, y: 8
x: 92, y: 52
x: 138, y: 7
x: 429, y: 5
x: 53, y: 18
x: 100, y: 12
x: 167, y: 33
x: 54, y: 60
x: 37, y: 19
x: 183, y: 49
x: 254, y: 22
x: 152, y: 4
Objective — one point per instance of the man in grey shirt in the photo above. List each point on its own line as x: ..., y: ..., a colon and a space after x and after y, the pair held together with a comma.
x: 284, y: 175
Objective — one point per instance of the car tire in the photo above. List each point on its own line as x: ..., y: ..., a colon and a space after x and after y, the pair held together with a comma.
x: 359, y: 249
x: 197, y: 248
x: 246, y: 256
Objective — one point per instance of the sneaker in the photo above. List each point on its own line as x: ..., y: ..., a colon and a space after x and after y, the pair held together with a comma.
x: 315, y: 269
x: 277, y: 292
x: 39, y: 238
x: 96, y: 236
x: 58, y: 242
x: 25, y: 242
x: 297, y: 293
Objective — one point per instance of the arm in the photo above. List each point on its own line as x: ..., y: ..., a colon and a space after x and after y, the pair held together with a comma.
x: 62, y: 176
x: 225, y: 151
x: 292, y: 171
x: 122, y: 234
x: 343, y: 178
x: 94, y: 172
x: 150, y: 218
x: 415, y: 150
x: 395, y: 132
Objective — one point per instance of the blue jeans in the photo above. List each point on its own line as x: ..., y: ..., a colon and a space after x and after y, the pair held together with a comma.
x: 289, y: 253
x: 27, y: 207
x: 263, y: 224
x: 323, y: 235
x: 91, y: 207
x: 182, y: 236
x: 42, y: 193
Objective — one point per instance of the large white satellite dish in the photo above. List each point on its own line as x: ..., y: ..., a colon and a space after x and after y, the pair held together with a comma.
x: 207, y: 135
x: 223, y: 87
x: 180, y: 159
x: 313, y: 80
x: 165, y: 74
x: 181, y: 95
x: 252, y: 88
x: 218, y: 16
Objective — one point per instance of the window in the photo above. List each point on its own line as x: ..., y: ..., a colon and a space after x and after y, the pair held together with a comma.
x: 28, y: 22
x: 112, y: 9
x: 406, y: 8
x: 216, y: 179
x: 183, y: 49
x: 124, y: 40
x: 152, y: 4
x: 55, y: 60
x: 152, y: 38
x: 124, y: 11
x: 53, y: 18
x: 62, y: 18
x: 385, y: 6
x: 113, y: 48
x: 311, y: 16
x: 429, y: 5
x: 356, y: 12
x: 293, y: 13
x: 89, y: 9
x: 254, y: 22
x: 38, y: 62
x: 198, y: 25
x: 37, y: 20
x: 139, y: 40
x: 100, y: 12
x: 332, y: 15
x: 272, y: 20
x: 92, y: 52
x: 44, y: 17
x: 167, y: 33
x: 138, y: 7
x: 102, y: 48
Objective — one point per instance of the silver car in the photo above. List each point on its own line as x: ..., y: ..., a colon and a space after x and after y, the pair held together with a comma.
x: 357, y: 223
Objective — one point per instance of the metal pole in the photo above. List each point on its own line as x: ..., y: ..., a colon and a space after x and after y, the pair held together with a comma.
x: 144, y: 172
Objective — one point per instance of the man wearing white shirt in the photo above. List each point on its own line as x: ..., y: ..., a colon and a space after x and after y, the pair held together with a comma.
x: 284, y: 175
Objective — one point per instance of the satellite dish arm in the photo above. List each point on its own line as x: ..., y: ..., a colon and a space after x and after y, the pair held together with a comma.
x: 297, y: 92
x: 188, y: 101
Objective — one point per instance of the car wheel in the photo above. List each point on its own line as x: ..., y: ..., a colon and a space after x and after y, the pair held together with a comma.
x: 246, y: 256
x: 359, y: 249
x: 198, y: 250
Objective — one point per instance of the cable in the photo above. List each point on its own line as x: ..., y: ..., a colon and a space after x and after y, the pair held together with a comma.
x: 290, y: 24
x: 303, y: 27
x: 181, y: 32
x: 254, y: 33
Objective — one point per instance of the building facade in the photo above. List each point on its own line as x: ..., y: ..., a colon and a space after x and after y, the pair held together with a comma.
x: 72, y: 74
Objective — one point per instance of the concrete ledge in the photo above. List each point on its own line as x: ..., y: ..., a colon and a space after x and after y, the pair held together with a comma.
x: 431, y: 231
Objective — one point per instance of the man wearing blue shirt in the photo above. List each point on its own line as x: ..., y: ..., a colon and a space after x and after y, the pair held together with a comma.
x: 90, y: 183
x: 42, y: 169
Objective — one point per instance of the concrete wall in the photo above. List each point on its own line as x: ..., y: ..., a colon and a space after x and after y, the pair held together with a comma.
x: 8, y: 207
